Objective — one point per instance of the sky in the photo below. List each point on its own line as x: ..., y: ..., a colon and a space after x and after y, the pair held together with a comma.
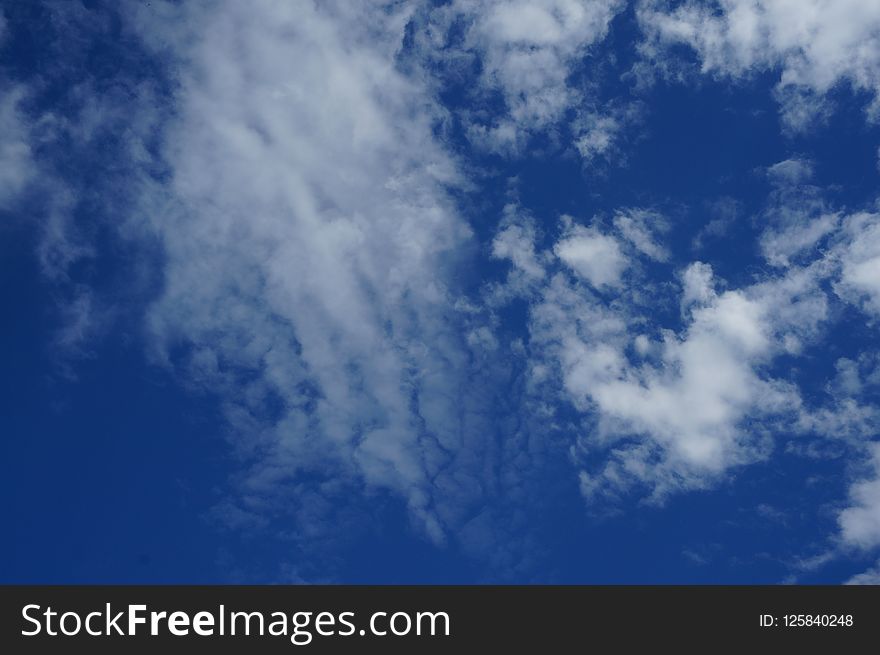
x: 372, y: 291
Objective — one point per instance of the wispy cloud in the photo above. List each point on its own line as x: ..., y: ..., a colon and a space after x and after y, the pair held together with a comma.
x: 17, y: 167
x: 308, y: 238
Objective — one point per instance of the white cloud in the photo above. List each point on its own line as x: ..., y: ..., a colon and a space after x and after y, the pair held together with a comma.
x: 691, y: 405
x: 17, y: 167
x: 672, y: 410
x: 694, y: 408
x: 848, y: 380
x: 640, y: 227
x: 516, y: 241
x: 845, y: 420
x: 856, y: 376
x: 860, y: 522
x: 860, y: 261
x: 73, y: 149
x: 814, y: 44
x: 309, y: 246
x: 597, y: 135
x: 780, y: 245
x: 307, y: 230
x: 698, y: 285
x: 724, y: 212
x: 694, y: 403
x: 31, y: 188
x: 528, y: 50
x: 869, y: 577
x: 797, y: 218
x: 836, y: 250
x: 594, y: 256
x: 790, y: 171
x: 309, y: 235
x: 850, y: 257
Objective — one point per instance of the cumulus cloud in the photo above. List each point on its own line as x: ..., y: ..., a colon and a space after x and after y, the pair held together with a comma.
x: 595, y: 257
x: 689, y: 408
x: 812, y: 44
x: 669, y: 409
x: 675, y: 407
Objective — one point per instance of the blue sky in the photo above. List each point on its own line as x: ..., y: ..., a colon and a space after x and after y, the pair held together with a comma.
x: 564, y: 291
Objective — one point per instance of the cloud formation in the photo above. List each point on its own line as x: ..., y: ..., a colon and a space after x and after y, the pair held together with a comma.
x: 526, y: 53
x: 307, y: 232
x: 595, y: 257
x: 860, y: 522
x: 676, y: 406
x: 813, y: 45
x: 17, y: 167
x: 296, y: 203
